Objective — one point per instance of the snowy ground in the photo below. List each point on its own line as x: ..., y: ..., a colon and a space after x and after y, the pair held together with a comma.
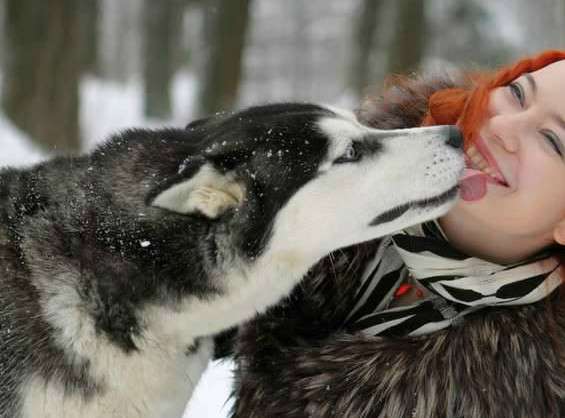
x: 106, y: 108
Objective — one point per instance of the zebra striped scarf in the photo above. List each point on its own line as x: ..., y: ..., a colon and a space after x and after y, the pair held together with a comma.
x: 458, y: 284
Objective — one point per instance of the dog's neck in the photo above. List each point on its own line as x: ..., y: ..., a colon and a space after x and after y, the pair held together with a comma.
x: 246, y: 290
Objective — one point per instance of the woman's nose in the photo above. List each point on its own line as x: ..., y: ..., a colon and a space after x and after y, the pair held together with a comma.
x: 507, y: 131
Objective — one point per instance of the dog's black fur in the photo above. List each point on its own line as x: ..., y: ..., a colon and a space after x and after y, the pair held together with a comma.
x: 93, y: 211
x: 118, y: 267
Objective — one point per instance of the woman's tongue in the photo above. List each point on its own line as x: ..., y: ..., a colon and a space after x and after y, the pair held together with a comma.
x: 473, y: 185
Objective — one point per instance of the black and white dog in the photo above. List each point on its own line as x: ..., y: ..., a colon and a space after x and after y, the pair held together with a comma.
x: 118, y: 267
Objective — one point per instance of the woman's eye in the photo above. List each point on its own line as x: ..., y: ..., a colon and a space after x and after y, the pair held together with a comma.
x: 350, y: 155
x: 517, y: 92
x: 554, y: 141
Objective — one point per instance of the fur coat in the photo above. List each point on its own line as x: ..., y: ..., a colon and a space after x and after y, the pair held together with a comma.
x: 298, y: 360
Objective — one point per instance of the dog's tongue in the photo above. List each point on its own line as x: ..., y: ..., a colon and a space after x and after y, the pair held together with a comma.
x: 473, y: 185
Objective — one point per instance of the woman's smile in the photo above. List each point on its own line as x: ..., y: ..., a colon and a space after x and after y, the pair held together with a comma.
x: 480, y: 158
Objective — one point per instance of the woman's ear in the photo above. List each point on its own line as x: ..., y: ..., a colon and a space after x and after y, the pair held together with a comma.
x: 559, y: 233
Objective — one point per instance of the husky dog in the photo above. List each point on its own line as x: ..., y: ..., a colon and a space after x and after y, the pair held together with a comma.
x: 117, y: 268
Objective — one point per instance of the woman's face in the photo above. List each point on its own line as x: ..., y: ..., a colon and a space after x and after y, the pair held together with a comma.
x: 522, y: 140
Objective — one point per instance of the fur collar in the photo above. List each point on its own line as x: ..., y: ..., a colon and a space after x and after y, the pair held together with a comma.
x: 296, y: 361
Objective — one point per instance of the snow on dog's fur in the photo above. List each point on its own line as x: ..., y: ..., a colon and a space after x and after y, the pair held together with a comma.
x: 119, y: 267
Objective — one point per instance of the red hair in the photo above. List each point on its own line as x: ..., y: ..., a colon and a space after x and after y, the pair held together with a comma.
x: 467, y: 107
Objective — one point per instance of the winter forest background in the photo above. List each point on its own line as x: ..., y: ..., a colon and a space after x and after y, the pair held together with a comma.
x: 74, y: 71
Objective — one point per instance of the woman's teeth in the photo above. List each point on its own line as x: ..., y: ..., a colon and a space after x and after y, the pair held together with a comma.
x: 478, y: 162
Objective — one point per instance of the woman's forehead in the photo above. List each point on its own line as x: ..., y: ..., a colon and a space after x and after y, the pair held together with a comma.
x: 547, y: 85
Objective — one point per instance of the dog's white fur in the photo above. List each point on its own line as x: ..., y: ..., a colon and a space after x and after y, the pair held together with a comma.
x: 332, y: 211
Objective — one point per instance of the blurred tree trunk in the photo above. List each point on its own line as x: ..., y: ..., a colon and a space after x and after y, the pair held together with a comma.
x: 227, y: 24
x: 89, y: 14
x: 2, y: 32
x: 300, y: 72
x: 363, y: 44
x: 162, y: 28
x: 42, y: 71
x: 120, y: 39
x: 406, y: 49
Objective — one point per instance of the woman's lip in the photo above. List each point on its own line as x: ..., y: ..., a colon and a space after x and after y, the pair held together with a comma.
x: 485, y: 152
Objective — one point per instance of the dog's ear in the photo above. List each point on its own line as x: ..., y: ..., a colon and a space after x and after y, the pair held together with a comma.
x: 207, y: 192
x: 198, y: 123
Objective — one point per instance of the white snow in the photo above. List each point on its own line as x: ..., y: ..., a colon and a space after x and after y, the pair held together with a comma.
x: 16, y: 149
x: 106, y: 108
x: 211, y: 397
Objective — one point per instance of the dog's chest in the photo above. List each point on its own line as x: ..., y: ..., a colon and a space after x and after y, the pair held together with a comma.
x: 141, y: 388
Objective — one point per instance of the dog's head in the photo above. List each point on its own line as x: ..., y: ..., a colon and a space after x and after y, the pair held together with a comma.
x: 312, y: 179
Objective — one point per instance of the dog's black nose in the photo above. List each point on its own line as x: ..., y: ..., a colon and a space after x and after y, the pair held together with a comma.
x: 455, y: 137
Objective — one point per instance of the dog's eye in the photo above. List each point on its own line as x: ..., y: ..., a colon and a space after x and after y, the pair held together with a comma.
x: 350, y: 155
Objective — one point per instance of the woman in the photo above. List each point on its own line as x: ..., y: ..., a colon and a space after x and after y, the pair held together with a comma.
x: 462, y: 317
